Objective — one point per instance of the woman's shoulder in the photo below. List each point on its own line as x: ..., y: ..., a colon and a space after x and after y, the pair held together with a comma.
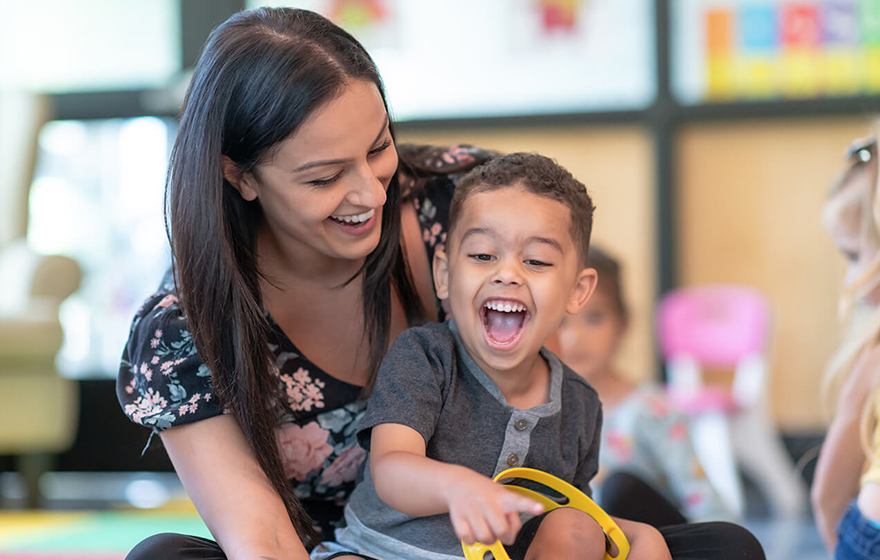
x: 422, y: 166
x: 162, y: 381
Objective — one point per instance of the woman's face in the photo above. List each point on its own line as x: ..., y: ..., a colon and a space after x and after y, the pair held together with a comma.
x: 323, y: 189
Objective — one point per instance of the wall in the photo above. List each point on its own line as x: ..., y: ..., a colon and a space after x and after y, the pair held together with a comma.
x: 749, y: 199
x: 616, y: 165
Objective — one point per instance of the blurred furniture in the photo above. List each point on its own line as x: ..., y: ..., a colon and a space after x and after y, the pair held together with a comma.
x: 38, y: 407
x: 727, y: 327
x: 23, y: 115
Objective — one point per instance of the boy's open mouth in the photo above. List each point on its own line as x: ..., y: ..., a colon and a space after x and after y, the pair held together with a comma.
x: 503, y: 322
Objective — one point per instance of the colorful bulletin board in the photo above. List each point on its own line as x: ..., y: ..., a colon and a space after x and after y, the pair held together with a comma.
x: 494, y: 58
x: 774, y: 49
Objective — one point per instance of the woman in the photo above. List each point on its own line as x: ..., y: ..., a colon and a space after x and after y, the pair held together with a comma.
x: 291, y: 218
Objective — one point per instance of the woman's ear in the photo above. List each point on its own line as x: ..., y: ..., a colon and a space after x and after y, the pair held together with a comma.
x: 582, y: 290
x: 244, y: 183
x: 441, y: 275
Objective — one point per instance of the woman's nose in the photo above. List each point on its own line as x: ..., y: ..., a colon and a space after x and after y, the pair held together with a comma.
x: 369, y: 191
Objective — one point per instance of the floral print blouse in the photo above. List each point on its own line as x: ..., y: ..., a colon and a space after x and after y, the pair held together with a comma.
x: 162, y: 382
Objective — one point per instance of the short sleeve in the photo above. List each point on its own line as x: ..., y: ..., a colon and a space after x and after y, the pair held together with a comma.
x: 588, y: 465
x: 162, y: 382
x: 409, y: 387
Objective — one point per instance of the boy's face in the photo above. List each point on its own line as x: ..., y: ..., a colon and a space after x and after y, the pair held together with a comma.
x: 511, y: 273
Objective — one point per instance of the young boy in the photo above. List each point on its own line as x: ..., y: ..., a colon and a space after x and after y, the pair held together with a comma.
x: 458, y: 402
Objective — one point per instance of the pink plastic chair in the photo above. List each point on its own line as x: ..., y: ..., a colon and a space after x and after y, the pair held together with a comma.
x: 728, y: 327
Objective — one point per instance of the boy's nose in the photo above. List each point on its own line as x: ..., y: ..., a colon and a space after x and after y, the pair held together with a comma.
x: 507, y: 273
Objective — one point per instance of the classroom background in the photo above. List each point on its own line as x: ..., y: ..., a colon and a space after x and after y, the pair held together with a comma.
x: 708, y: 132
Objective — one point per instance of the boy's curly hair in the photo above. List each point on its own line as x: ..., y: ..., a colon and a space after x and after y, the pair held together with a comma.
x: 539, y: 175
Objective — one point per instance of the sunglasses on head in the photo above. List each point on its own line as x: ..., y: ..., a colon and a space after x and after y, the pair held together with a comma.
x: 862, y: 151
x: 859, y: 153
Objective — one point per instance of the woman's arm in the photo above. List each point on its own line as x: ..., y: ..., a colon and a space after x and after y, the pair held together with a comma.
x: 230, y: 491
x: 417, y: 259
x: 836, y: 482
x: 411, y: 483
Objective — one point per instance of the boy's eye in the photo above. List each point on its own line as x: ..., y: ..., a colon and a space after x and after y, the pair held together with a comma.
x: 323, y: 182
x: 482, y: 257
x: 535, y: 262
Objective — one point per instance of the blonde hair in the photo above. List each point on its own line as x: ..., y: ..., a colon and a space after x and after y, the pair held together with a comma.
x: 862, y: 321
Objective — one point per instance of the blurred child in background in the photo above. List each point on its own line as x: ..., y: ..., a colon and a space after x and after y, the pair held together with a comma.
x: 648, y: 469
x: 846, y: 488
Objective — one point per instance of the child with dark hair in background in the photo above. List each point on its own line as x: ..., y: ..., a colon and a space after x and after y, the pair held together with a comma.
x: 648, y: 467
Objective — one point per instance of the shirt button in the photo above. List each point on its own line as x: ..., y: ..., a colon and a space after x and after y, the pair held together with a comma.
x: 521, y: 424
x: 513, y: 460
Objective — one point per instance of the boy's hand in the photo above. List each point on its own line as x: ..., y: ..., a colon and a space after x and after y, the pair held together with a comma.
x: 484, y: 511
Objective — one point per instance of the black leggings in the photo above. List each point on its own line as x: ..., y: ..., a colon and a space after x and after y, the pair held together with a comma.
x: 692, y: 541
x: 629, y: 497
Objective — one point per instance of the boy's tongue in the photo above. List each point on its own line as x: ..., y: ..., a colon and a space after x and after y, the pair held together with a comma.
x: 503, y: 327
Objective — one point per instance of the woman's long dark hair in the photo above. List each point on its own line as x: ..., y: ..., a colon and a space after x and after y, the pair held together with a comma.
x: 261, y: 74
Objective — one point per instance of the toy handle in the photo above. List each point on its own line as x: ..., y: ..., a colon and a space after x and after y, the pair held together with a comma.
x: 576, y: 499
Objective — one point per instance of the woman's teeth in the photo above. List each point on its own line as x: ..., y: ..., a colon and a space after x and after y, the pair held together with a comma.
x: 356, y: 219
x: 505, y: 307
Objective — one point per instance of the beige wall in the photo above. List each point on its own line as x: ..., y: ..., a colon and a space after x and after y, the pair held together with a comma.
x: 749, y: 199
x: 616, y: 165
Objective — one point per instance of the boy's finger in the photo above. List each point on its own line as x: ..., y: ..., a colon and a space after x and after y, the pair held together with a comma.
x: 481, y: 529
x: 515, y: 502
x: 513, y: 527
x: 462, y: 529
x: 499, y: 523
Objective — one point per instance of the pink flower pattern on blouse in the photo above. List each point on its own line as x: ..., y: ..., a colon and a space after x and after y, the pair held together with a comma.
x: 345, y: 467
x: 303, y: 449
x: 303, y: 392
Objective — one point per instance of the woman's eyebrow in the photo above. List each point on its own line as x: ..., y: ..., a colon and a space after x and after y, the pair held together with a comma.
x: 323, y: 162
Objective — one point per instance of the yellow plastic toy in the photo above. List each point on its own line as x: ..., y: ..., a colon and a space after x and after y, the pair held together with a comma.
x: 576, y: 499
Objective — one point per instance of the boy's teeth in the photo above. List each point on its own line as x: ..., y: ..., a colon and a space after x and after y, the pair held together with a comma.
x: 505, y: 307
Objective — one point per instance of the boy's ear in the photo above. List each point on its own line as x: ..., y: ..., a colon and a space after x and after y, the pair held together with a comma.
x: 441, y: 274
x: 242, y: 182
x: 583, y: 288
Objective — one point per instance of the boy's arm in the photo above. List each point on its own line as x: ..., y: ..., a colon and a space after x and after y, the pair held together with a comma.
x: 411, y: 483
